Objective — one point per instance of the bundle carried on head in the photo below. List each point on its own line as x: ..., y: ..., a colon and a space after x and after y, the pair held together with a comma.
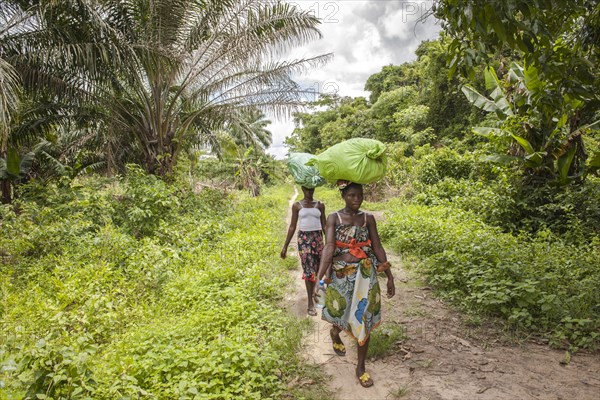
x: 303, y: 174
x: 356, y: 160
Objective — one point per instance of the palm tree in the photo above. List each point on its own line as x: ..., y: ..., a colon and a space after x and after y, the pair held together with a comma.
x: 199, y: 66
x: 10, y: 88
x: 250, y: 130
x: 148, y: 78
x: 9, y: 101
x: 54, y: 56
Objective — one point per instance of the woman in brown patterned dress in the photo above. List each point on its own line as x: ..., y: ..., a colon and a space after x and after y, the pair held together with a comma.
x: 311, y: 215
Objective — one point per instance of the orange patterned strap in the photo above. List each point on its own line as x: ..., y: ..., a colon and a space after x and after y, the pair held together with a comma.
x: 355, y: 247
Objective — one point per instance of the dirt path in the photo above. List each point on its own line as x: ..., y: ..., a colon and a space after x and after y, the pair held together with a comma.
x: 443, y: 358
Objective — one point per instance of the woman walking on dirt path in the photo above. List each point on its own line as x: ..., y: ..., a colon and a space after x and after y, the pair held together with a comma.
x: 352, y: 298
x: 311, y: 215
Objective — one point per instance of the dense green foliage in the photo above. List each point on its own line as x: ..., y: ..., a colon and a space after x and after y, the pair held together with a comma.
x: 497, y: 248
x: 415, y: 102
x: 550, y: 101
x: 540, y: 284
x: 557, y: 37
x: 129, y: 288
x: 466, y: 181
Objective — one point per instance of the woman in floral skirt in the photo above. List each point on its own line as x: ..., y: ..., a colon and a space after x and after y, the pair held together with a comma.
x: 352, y: 299
x: 310, y: 215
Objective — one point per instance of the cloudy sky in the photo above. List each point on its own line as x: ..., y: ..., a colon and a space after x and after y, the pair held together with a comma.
x: 364, y: 36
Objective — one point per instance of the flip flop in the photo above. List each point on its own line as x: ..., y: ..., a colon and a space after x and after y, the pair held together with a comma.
x: 312, y: 312
x: 365, y: 380
x: 338, y: 347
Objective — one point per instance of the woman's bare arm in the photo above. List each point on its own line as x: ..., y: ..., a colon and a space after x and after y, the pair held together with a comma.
x: 291, y: 229
x: 380, y: 252
x: 323, y: 219
x: 375, y: 240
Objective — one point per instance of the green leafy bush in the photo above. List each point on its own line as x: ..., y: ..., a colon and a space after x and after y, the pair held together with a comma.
x: 541, y: 284
x: 146, y: 201
x: 495, y: 193
x: 443, y: 163
x: 178, y: 299
x: 493, y: 201
x: 573, y: 212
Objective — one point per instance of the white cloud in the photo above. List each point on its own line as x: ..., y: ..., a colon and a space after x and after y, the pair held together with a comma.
x: 364, y: 36
x: 393, y: 28
x: 280, y: 129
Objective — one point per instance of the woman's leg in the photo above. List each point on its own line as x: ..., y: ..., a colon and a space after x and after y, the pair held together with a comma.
x: 335, y: 334
x: 310, y: 287
x: 363, y: 377
x: 338, y: 345
x: 362, y: 356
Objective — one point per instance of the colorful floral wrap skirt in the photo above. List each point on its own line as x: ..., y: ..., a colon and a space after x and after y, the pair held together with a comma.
x: 310, y: 248
x: 353, y: 299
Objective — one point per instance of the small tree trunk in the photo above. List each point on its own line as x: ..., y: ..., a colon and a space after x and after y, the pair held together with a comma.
x: 110, y: 160
x: 6, y: 192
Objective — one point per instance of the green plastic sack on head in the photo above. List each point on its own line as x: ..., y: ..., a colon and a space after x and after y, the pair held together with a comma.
x: 303, y: 174
x: 357, y: 160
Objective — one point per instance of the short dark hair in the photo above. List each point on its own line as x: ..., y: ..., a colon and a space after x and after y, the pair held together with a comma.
x: 350, y: 186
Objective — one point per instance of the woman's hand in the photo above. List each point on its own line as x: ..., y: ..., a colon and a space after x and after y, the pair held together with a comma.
x: 391, y: 288
x: 382, y: 267
x: 283, y: 253
x: 315, y: 294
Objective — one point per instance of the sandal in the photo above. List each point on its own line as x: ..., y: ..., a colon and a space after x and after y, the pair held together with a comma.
x: 338, y: 347
x: 312, y: 312
x: 365, y: 380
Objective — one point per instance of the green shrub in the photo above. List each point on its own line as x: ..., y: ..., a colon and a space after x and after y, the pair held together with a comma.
x: 541, y: 284
x: 443, y: 163
x: 384, y: 340
x: 146, y: 201
x: 571, y: 211
x: 494, y: 192
x: 178, y: 299
x: 493, y: 201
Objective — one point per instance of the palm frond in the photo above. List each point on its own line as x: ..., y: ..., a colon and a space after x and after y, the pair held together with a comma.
x: 9, y: 100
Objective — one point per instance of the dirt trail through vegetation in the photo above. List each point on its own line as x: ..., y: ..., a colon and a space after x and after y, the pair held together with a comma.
x: 442, y: 357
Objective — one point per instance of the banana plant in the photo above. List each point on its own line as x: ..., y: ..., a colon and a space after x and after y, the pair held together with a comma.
x: 541, y: 137
x: 14, y: 167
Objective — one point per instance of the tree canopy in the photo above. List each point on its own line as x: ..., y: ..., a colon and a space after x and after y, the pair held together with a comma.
x: 556, y: 41
x: 107, y: 82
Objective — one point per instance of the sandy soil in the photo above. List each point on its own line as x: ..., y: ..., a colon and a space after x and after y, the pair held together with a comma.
x: 443, y: 358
